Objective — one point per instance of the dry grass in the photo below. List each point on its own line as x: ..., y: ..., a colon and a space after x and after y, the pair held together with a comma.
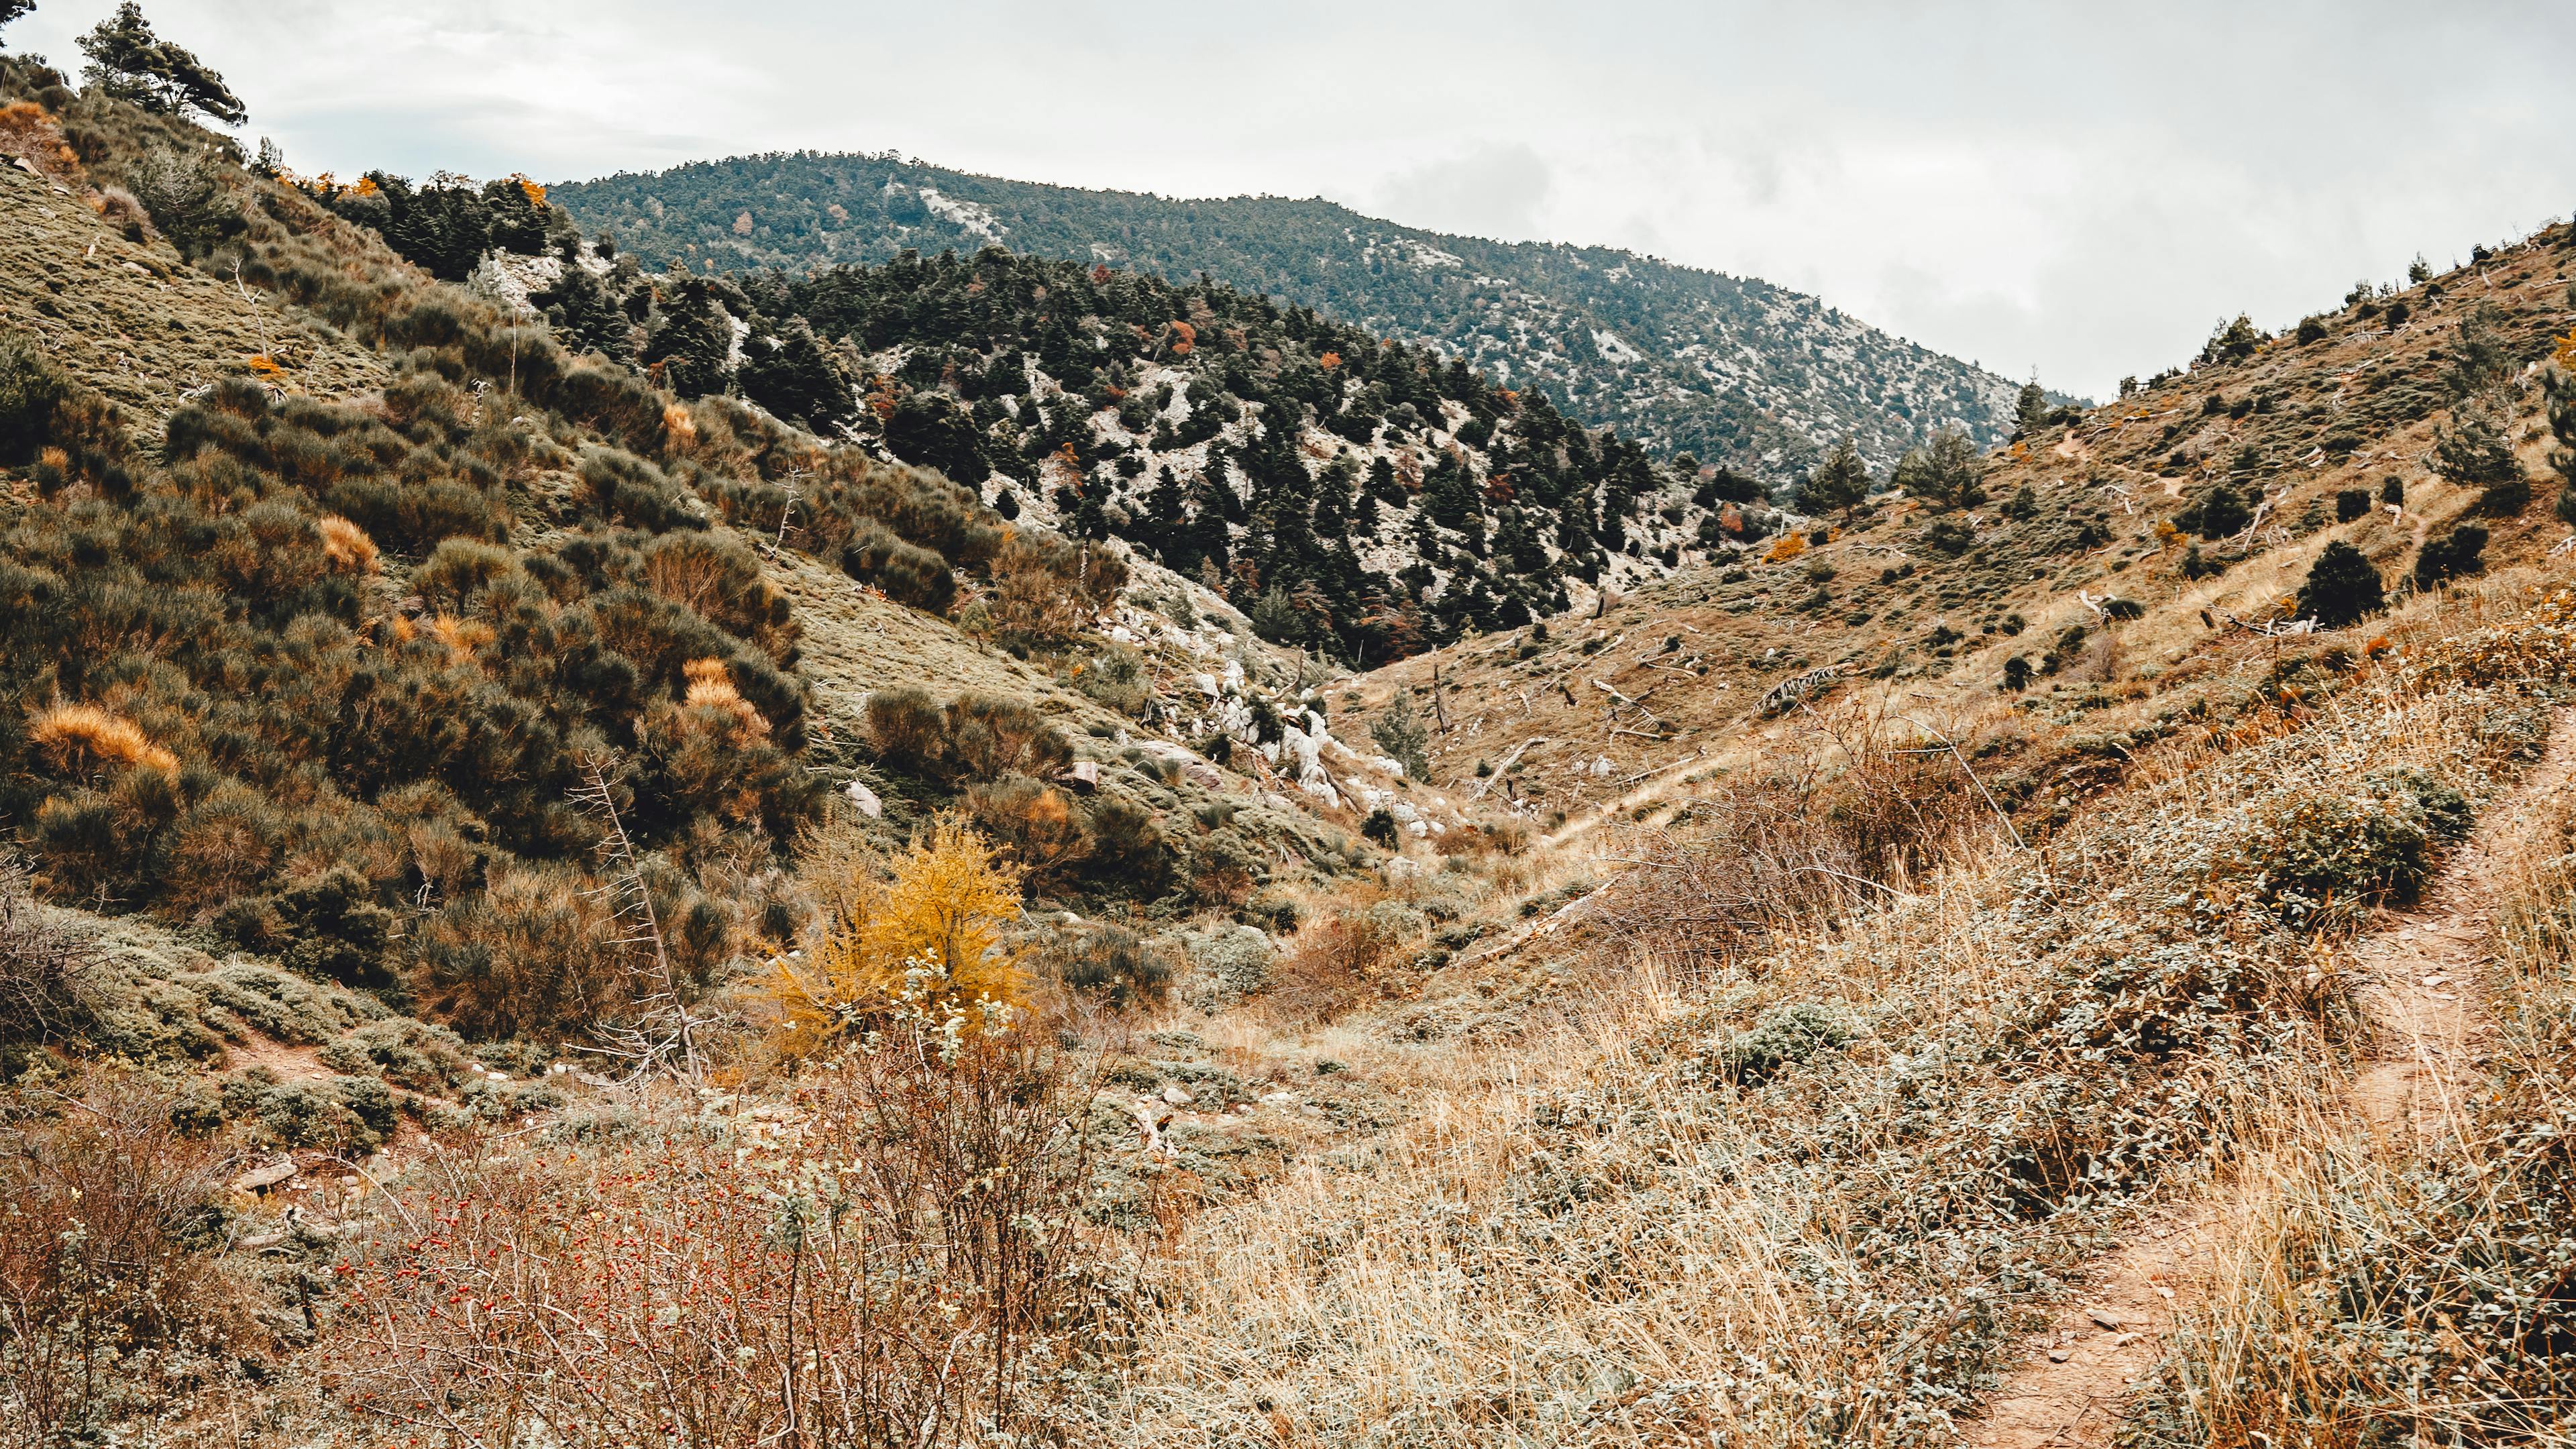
x: 79, y: 737
x: 2369, y: 1284
x: 346, y: 545
x: 1804, y: 1196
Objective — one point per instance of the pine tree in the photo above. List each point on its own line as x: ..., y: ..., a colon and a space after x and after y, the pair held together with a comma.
x: 1167, y: 521
x: 13, y: 9
x: 580, y: 311
x: 129, y: 62
x: 2560, y: 390
x: 2474, y: 452
x: 2030, y: 411
x: 1946, y: 474
x: 693, y: 343
x: 788, y: 372
x: 1839, y: 483
x: 2342, y: 589
x: 1208, y: 542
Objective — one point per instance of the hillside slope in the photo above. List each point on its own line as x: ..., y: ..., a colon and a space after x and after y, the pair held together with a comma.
x: 2200, y: 502
x: 1733, y: 370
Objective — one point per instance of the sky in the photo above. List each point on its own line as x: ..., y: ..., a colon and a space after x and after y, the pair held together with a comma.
x: 2076, y: 192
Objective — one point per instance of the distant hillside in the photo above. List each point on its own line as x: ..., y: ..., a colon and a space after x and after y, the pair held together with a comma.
x: 1353, y: 495
x: 1734, y: 370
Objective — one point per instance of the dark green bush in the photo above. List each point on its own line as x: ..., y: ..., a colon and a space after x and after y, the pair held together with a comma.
x: 2322, y: 859
x: 31, y: 387
x: 1784, y: 1036
x: 2457, y: 552
x: 909, y: 574
x: 2342, y: 588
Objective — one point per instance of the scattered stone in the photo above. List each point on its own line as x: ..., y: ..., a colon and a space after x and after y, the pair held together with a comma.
x: 867, y: 801
x: 2103, y: 1317
x: 268, y: 1176
x: 1173, y: 1094
x: 2058, y: 1355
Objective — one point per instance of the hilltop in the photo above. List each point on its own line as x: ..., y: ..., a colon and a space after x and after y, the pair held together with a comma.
x: 1733, y: 370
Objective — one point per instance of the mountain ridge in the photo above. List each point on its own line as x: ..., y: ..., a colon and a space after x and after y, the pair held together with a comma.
x: 1735, y: 370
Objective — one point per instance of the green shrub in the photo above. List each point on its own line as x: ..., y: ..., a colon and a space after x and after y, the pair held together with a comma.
x: 1110, y: 962
x: 345, y: 1113
x: 1380, y: 827
x: 30, y: 388
x: 911, y: 575
x: 2342, y: 588
x: 2351, y: 503
x: 2322, y: 859
x: 1239, y: 960
x: 2455, y: 553
x: 1785, y: 1036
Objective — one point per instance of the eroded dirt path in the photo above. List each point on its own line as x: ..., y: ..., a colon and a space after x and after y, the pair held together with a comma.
x: 2421, y: 973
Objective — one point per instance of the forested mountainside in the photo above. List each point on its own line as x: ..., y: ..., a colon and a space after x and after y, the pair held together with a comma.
x: 1678, y: 359
x: 1352, y: 495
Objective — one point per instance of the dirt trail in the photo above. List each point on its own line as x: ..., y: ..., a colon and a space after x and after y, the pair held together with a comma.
x: 2420, y: 973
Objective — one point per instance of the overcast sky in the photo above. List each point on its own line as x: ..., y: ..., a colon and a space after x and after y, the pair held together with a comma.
x: 2080, y: 190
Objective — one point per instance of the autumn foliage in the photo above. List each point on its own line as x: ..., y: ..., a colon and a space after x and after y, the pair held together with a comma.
x: 930, y: 934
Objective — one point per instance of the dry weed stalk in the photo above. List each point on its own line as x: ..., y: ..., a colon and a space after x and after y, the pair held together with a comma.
x: 887, y: 1257
x: 666, y: 1025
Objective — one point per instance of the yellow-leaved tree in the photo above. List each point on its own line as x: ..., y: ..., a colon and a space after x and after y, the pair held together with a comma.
x: 928, y: 940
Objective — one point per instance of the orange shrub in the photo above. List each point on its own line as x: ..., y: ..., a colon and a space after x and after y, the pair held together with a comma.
x: 929, y: 939
x: 74, y: 735
x: 346, y: 545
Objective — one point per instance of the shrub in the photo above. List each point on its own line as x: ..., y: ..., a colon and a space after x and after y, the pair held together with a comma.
x: 404, y: 1052
x: 2457, y: 552
x: 931, y: 935
x: 1035, y: 821
x: 1238, y: 960
x: 1784, y: 1036
x: 79, y: 739
x: 1340, y: 958
x: 109, y: 1198
x: 1399, y: 731
x: 531, y: 952
x: 30, y: 389
x: 918, y: 1214
x: 990, y: 737
x: 2351, y: 503
x: 916, y: 577
x: 2322, y: 859
x: 2474, y: 452
x: 1110, y: 962
x: 909, y: 730
x: 2506, y: 498
x: 2342, y: 587
x: 1046, y: 589
x: 1128, y: 849
x: 1380, y: 826
x: 1116, y: 678
x: 2217, y: 513
x: 48, y: 971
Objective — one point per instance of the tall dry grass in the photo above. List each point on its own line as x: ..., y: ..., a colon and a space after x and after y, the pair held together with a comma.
x: 1806, y: 1194
x: 2373, y: 1288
